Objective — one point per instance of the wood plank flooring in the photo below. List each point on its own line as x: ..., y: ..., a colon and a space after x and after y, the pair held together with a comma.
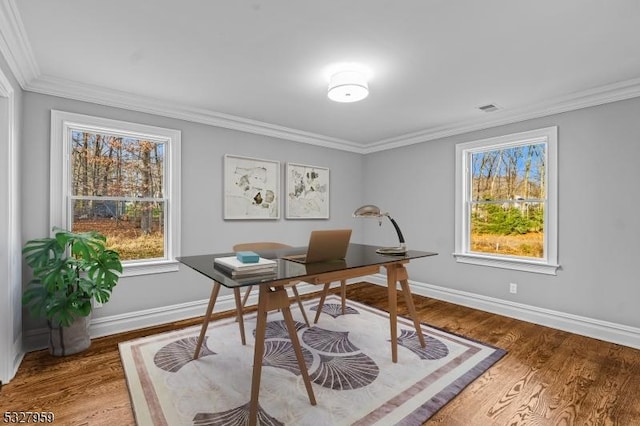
x: 548, y: 377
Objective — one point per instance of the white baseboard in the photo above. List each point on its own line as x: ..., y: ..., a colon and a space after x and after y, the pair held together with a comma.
x: 584, y: 326
x: 104, y: 326
x: 10, y: 368
x: 603, y: 330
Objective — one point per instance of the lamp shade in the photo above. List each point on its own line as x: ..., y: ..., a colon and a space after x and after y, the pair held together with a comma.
x: 348, y: 86
x: 368, y: 210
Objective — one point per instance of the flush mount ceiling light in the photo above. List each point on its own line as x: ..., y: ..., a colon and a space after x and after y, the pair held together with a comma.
x: 348, y: 86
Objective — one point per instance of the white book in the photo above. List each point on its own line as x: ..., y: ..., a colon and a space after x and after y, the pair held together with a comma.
x: 269, y: 269
x: 232, y: 263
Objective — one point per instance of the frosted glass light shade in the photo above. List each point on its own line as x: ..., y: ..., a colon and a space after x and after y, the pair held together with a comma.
x: 348, y: 86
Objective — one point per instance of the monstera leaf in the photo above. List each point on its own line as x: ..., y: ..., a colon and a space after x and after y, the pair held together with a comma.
x: 69, y: 270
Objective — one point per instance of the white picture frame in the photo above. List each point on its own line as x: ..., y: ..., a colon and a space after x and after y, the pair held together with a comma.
x: 251, y: 188
x: 307, y: 192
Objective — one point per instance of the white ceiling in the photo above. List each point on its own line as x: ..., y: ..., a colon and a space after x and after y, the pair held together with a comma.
x: 260, y: 66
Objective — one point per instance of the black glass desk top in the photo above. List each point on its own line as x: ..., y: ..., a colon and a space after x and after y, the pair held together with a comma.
x: 358, y: 255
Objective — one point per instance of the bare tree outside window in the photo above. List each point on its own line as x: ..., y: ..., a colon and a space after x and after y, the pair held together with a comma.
x: 508, y: 201
x: 117, y: 188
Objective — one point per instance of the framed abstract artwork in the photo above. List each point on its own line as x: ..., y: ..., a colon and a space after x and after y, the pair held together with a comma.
x: 251, y: 188
x: 307, y: 192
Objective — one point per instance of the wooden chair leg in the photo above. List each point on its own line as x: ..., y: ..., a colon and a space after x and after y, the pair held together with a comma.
x: 246, y: 296
x: 325, y: 290
x: 343, y: 294
x: 244, y: 299
x: 297, y: 296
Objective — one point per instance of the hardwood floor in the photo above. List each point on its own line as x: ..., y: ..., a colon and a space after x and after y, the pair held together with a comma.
x: 548, y: 377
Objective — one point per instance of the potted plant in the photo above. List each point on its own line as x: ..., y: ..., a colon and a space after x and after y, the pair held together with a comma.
x: 69, y: 270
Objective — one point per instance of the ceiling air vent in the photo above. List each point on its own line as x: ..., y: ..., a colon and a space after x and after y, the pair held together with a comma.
x: 488, y: 108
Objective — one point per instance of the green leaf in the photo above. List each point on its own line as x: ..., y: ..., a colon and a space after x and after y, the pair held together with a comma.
x: 40, y: 251
x: 59, y: 291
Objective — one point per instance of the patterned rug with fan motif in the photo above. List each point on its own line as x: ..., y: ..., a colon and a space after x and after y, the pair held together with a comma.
x: 348, y: 357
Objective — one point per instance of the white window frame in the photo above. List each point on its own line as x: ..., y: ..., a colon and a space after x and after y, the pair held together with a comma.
x: 60, y: 189
x: 549, y: 264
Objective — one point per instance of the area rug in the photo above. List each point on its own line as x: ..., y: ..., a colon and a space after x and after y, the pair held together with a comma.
x: 348, y: 357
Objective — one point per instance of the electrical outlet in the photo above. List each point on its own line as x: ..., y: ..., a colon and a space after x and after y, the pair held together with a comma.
x: 513, y: 288
x: 96, y: 304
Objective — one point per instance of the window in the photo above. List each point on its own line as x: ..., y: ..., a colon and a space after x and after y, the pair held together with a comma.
x: 506, y: 201
x: 121, y: 179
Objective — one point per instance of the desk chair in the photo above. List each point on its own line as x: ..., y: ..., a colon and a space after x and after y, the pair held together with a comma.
x: 269, y: 246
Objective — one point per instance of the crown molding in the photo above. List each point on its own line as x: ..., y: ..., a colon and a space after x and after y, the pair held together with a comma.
x: 16, y: 49
x: 598, y: 96
x: 89, y: 93
x: 15, y: 46
x: 73, y: 90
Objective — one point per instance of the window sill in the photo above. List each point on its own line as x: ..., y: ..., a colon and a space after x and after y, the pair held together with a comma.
x: 507, y: 263
x: 132, y: 269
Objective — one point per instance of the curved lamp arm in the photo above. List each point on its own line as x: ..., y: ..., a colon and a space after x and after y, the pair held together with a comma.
x: 395, y: 225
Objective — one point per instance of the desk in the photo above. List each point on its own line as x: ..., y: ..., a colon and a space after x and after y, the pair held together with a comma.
x: 361, y: 260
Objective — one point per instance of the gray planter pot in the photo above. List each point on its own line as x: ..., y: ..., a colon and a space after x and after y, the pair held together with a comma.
x: 69, y: 340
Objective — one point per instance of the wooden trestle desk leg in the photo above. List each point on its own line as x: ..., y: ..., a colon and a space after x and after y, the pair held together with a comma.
x: 397, y: 272
x: 268, y: 300
x: 207, y: 318
x: 404, y: 283
x: 239, y: 316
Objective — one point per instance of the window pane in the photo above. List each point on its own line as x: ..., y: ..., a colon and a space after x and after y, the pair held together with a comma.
x: 115, y: 166
x: 133, y: 229
x: 509, y: 174
x: 508, y: 228
x: 506, y: 205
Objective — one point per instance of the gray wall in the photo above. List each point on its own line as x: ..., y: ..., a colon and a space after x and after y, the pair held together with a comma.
x: 599, y: 227
x: 203, y: 229
x: 598, y: 204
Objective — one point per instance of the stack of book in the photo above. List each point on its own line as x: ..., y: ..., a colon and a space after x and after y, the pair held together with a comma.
x: 237, y: 269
